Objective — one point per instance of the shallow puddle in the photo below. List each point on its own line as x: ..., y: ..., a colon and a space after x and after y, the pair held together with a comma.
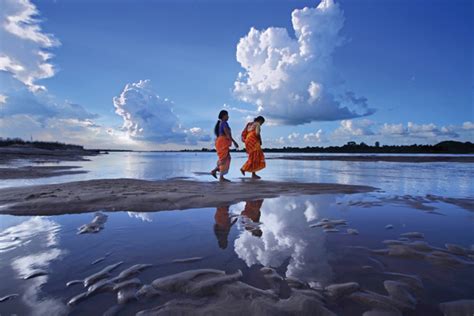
x: 311, y: 242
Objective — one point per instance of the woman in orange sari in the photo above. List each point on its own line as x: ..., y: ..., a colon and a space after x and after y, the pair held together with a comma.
x: 253, y: 146
x: 223, y: 142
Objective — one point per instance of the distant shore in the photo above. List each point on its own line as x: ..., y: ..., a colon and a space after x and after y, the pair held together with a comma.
x: 39, y: 155
x: 34, y: 172
x: 141, y: 196
x: 35, y: 156
x: 375, y: 158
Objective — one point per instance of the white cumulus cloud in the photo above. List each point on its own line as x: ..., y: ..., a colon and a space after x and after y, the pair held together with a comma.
x: 418, y: 130
x: 24, y: 49
x: 149, y: 117
x: 293, y: 137
x: 468, y: 125
x: 355, y: 128
x: 314, y: 137
x: 291, y: 80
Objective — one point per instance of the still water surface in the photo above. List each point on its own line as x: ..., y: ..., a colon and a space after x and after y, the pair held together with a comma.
x: 272, y: 232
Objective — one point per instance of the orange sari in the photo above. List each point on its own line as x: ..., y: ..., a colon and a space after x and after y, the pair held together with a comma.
x: 252, y: 210
x: 256, y: 159
x: 222, y: 226
x: 223, y: 153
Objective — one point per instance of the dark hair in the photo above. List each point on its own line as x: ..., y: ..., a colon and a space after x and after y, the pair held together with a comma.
x: 221, y: 116
x: 260, y: 119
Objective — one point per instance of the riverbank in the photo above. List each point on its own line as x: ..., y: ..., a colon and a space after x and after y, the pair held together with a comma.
x: 9, y: 154
x: 375, y: 158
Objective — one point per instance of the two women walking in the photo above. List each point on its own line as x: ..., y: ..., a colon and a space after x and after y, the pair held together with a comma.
x: 253, y: 145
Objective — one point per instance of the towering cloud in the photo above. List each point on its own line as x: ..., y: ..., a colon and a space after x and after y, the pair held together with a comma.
x: 148, y: 117
x: 292, y: 80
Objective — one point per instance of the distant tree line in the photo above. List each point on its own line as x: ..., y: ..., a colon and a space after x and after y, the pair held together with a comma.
x: 446, y: 147
x: 5, y: 142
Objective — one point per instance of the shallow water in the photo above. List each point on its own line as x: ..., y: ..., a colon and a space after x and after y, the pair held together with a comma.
x: 272, y: 232
x: 446, y: 179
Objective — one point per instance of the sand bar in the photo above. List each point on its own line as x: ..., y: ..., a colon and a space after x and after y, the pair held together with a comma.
x: 141, y: 196
x: 33, y: 172
x: 10, y: 153
x: 417, y: 159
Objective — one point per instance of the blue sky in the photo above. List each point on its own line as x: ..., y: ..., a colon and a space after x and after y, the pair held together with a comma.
x: 407, y: 66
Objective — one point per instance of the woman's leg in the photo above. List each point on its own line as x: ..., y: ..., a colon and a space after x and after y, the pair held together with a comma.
x: 254, y: 176
x: 222, y: 179
x: 224, y: 168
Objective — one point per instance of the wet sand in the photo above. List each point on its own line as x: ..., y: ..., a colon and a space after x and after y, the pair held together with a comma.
x: 35, y: 156
x: 142, y: 196
x: 413, y: 159
x: 10, y: 153
x: 34, y: 172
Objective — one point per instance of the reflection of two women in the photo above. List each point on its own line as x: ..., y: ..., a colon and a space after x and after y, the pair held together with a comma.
x: 252, y: 212
x: 224, y: 222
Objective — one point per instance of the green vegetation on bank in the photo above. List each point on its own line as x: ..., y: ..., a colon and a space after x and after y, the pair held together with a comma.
x: 18, y: 142
x: 446, y: 147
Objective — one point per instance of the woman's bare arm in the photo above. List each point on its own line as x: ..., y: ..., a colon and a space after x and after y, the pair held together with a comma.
x: 228, y: 133
x: 257, y: 131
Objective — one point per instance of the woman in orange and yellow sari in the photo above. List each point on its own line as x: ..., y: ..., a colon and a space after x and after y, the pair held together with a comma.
x: 223, y: 142
x: 253, y: 146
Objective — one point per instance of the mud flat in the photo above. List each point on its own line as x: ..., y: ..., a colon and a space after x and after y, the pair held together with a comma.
x: 10, y: 153
x: 142, y: 196
x: 34, y: 156
x: 417, y: 159
x: 33, y: 172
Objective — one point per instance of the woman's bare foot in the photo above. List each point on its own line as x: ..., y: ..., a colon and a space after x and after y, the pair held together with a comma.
x: 214, y: 173
x: 222, y: 179
x: 242, y: 171
x: 254, y: 176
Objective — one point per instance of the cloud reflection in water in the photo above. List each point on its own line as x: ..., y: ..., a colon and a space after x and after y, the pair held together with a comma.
x: 284, y: 223
x: 41, y: 236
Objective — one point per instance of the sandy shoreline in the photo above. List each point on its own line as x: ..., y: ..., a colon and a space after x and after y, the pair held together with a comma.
x: 34, y: 156
x: 141, y: 196
x: 38, y: 155
x: 33, y: 172
x: 415, y: 159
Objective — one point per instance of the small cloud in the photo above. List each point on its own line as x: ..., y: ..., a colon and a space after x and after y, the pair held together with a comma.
x: 429, y: 130
x: 413, y: 130
x: 196, y: 134
x: 293, y: 137
x: 314, y: 137
x: 355, y: 128
x: 393, y: 129
x: 468, y: 125
x: 3, y: 99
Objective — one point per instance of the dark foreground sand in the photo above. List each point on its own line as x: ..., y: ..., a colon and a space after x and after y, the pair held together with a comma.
x: 464, y: 159
x: 141, y: 196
